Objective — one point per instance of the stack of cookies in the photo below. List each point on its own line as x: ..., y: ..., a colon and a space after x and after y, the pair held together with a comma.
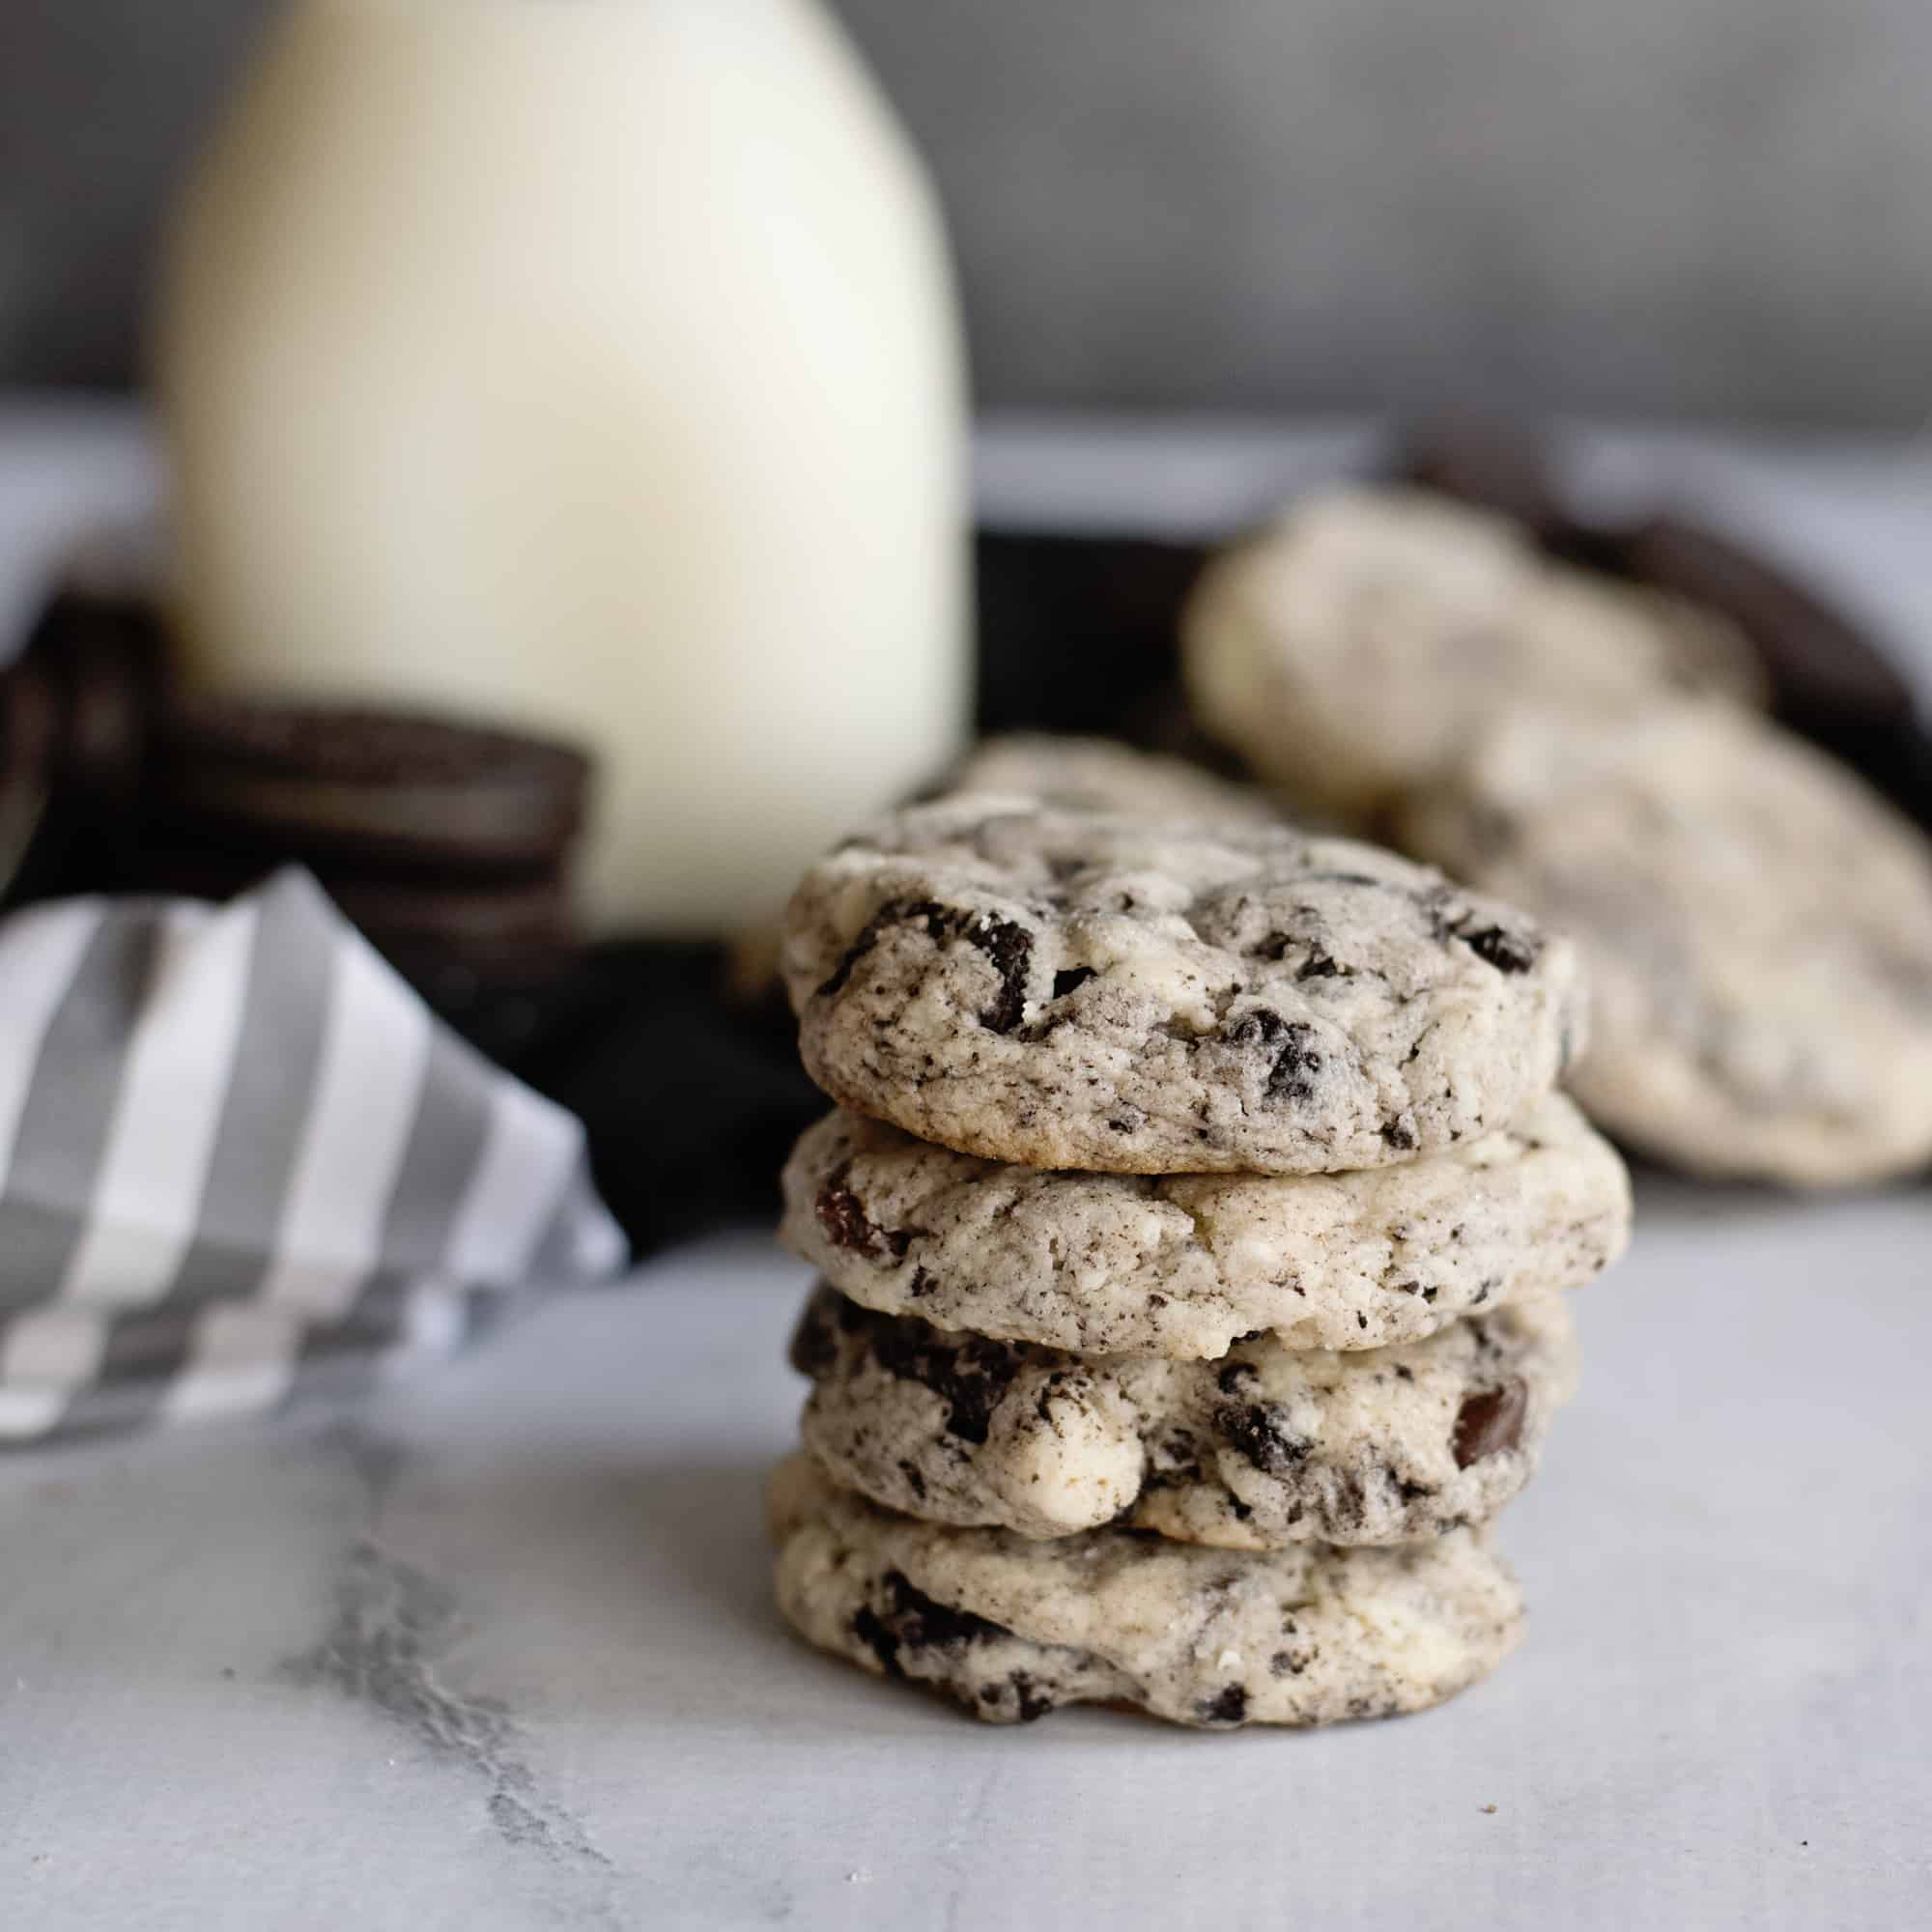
x: 1194, y: 1225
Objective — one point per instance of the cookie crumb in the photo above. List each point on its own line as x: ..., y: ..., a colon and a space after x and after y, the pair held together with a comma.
x: 1489, y: 1810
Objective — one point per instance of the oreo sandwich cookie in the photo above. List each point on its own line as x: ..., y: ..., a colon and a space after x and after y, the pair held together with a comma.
x: 390, y: 793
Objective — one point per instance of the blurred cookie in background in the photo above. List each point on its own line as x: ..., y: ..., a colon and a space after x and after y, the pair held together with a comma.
x: 1353, y: 650
x: 1102, y: 774
x: 1756, y: 919
x: 1826, y: 678
x: 1604, y: 750
x: 1067, y: 772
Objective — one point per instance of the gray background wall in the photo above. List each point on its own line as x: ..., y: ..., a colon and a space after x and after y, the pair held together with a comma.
x: 1713, y: 207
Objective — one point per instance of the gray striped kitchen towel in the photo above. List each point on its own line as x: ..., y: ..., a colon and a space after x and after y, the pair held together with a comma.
x: 239, y: 1158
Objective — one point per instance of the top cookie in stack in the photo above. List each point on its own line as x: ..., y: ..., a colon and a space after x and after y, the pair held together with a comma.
x: 1146, y: 996
x: 1200, y: 1179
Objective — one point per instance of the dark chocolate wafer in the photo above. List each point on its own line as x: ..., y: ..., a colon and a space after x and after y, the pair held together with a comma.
x: 75, y: 706
x: 1826, y: 673
x: 30, y: 726
x: 492, y: 914
x: 381, y: 792
x: 1495, y: 467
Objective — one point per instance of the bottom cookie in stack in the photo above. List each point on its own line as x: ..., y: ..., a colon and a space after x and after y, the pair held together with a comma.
x: 1014, y: 1628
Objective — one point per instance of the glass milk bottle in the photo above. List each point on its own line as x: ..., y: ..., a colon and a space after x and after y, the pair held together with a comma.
x: 588, y: 366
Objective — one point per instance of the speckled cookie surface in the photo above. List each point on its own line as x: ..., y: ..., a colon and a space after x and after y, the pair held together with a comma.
x: 1266, y: 1447
x: 1186, y: 1265
x: 1206, y: 1638
x: 1758, y: 925
x: 1101, y: 775
x: 1349, y: 651
x: 1072, y: 989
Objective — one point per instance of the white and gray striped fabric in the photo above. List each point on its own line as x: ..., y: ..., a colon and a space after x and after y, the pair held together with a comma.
x: 239, y: 1159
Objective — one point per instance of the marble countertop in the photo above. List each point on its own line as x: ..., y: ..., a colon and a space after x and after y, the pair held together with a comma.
x: 496, y: 1651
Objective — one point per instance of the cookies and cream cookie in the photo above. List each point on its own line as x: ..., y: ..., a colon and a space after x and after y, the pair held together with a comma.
x: 1186, y: 1265
x: 1757, y: 924
x: 1132, y: 995
x: 1265, y: 1447
x: 1349, y: 651
x: 1103, y: 775
x: 1013, y: 1628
